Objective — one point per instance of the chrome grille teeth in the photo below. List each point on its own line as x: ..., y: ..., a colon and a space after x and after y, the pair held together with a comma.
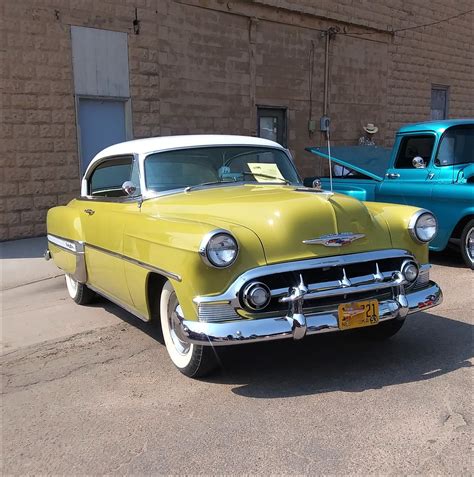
x: 345, y: 282
x: 378, y: 276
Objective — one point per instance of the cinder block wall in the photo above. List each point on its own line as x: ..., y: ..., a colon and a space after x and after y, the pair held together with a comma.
x: 202, y: 66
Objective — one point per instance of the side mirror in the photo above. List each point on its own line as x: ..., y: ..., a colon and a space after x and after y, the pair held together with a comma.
x: 313, y: 182
x: 129, y: 188
x: 418, y: 162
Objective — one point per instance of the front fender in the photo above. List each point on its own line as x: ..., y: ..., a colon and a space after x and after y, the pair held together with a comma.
x: 397, y: 218
x: 172, y: 245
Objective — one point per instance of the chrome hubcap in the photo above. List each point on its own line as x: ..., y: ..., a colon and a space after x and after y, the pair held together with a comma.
x: 174, y: 311
x: 470, y: 244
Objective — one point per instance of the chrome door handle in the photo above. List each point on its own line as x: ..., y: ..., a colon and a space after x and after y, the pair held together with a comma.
x: 392, y: 175
x: 89, y: 211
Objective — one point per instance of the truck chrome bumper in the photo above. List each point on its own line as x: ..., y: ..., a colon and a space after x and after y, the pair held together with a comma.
x: 267, y: 329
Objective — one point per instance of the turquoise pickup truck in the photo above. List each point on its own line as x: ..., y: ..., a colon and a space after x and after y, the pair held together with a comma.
x: 431, y: 165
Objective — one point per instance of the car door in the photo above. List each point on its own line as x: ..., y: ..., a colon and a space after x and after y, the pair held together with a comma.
x: 104, y: 214
x: 405, y: 182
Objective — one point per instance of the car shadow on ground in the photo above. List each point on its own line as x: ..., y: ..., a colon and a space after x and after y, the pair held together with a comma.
x: 427, y: 346
x: 449, y: 257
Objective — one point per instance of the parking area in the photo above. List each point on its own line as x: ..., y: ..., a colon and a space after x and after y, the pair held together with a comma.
x: 90, y: 390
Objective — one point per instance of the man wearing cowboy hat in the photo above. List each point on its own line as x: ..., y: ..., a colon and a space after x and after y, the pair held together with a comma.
x: 368, y: 138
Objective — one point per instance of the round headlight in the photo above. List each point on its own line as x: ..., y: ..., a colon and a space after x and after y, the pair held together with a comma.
x: 219, y: 249
x: 256, y: 295
x: 423, y: 226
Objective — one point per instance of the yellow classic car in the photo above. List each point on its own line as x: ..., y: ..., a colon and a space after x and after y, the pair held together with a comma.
x: 216, y: 238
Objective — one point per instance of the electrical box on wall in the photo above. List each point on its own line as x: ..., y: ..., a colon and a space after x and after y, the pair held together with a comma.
x: 311, y: 125
x: 325, y: 122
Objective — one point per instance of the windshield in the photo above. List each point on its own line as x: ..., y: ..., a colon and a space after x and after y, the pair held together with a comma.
x: 456, y: 147
x: 212, y: 165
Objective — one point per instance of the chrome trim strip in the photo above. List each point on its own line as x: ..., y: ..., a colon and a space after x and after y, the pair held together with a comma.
x: 118, y: 303
x: 139, y: 263
x: 75, y: 247
x: 267, y: 329
x: 232, y: 292
x: 66, y: 244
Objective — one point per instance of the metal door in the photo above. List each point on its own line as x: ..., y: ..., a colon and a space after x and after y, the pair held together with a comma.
x: 101, y: 124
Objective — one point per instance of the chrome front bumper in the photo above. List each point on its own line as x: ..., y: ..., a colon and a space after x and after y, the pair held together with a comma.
x: 299, y: 325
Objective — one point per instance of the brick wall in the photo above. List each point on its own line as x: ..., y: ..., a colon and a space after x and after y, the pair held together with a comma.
x: 203, y: 65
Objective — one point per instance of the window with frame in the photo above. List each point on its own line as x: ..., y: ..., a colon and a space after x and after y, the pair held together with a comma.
x: 414, y: 146
x: 108, y: 177
x: 439, y: 102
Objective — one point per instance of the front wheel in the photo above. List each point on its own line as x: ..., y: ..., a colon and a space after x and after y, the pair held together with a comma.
x: 467, y: 244
x: 78, y: 291
x: 192, y: 360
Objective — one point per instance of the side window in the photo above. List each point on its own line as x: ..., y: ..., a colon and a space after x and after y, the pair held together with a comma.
x: 107, y: 178
x: 456, y: 146
x: 414, y: 146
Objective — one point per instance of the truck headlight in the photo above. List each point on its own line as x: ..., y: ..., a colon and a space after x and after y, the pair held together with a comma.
x: 219, y: 249
x: 423, y: 226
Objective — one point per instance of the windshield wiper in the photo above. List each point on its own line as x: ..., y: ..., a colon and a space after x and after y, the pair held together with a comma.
x: 281, y: 179
x: 203, y: 184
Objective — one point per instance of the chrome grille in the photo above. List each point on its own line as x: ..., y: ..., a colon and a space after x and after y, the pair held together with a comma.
x: 219, y: 312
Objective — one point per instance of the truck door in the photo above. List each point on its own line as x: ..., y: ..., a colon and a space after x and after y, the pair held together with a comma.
x: 408, y: 180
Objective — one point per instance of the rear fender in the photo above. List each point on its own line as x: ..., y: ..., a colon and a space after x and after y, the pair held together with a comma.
x: 66, y: 241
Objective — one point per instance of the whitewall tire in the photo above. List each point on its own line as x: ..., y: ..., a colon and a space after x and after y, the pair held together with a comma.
x: 192, y: 360
x: 78, y: 291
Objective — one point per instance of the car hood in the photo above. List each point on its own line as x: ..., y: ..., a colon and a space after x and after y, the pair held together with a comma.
x: 281, y: 216
x: 371, y: 161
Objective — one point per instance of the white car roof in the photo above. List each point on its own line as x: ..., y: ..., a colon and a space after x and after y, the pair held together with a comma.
x: 164, y: 143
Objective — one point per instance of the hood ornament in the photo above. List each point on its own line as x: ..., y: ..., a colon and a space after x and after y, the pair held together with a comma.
x: 334, y: 240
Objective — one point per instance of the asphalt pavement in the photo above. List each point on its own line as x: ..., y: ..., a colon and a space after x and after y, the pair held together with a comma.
x: 90, y: 390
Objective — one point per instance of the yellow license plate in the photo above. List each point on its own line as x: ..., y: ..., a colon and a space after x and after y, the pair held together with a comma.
x: 358, y: 314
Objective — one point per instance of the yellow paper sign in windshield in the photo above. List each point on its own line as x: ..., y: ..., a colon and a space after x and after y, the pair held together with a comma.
x: 270, y: 170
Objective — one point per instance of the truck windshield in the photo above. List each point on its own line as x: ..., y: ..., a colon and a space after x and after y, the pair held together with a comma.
x: 456, y: 146
x: 213, y: 165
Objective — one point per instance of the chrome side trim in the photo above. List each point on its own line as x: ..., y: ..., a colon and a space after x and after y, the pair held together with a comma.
x: 77, y: 248
x: 66, y: 244
x: 268, y: 329
x: 232, y: 292
x: 118, y: 303
x: 139, y: 263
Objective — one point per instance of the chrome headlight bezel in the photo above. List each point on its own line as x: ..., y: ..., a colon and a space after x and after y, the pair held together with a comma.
x: 415, y: 222
x: 206, y: 243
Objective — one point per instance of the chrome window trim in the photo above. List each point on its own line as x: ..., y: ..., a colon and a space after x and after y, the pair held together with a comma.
x: 147, y: 194
x: 233, y: 290
x: 89, y: 171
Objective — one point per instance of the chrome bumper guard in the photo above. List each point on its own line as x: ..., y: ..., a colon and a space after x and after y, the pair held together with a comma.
x: 296, y: 324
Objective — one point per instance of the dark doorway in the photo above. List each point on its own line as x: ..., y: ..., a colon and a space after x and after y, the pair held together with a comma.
x: 272, y: 124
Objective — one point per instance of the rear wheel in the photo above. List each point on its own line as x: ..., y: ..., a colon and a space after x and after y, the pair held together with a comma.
x: 78, y: 291
x: 384, y: 330
x: 192, y: 360
x: 467, y: 244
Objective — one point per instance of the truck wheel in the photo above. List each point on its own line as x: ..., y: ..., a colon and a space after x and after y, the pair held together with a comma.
x: 192, y: 360
x: 78, y: 291
x: 383, y: 330
x: 467, y: 244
